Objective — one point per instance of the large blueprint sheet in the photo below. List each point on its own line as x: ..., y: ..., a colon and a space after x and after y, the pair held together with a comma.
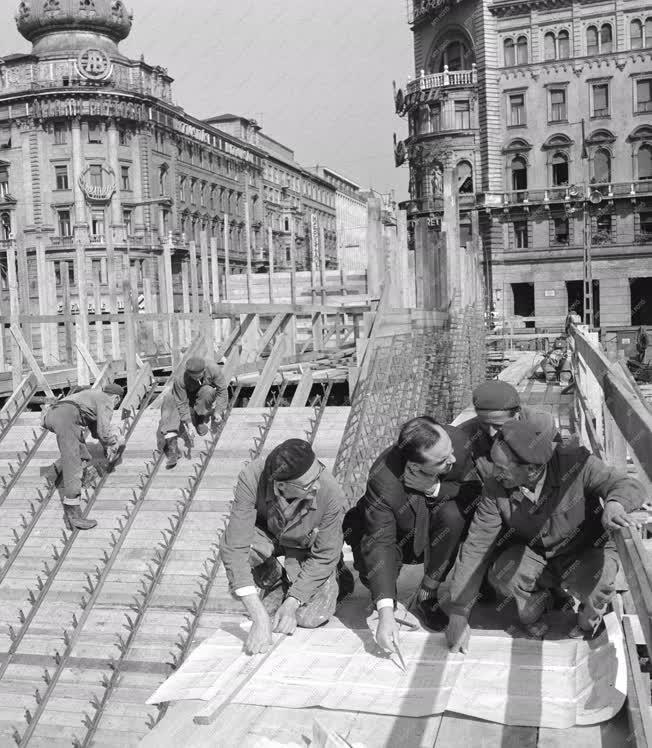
x: 512, y: 681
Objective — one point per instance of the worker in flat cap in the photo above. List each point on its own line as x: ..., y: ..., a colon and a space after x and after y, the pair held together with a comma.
x: 418, y: 504
x: 495, y: 403
x: 69, y: 420
x: 556, y: 363
x: 198, y: 395
x: 541, y: 524
x: 287, y: 504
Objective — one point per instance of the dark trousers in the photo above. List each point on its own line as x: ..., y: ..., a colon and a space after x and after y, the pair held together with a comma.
x: 202, y: 405
x: 449, y: 523
x: 524, y: 575
x: 65, y: 422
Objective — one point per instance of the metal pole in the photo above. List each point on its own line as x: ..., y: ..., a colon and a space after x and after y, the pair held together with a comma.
x: 588, y: 274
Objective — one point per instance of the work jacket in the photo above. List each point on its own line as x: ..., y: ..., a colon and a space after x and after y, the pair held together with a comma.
x: 315, y: 527
x: 185, y: 389
x: 95, y: 410
x: 390, y: 509
x: 566, y: 520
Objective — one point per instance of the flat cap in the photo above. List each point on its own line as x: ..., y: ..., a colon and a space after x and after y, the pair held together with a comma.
x: 532, y: 440
x: 291, y: 459
x: 195, y: 365
x: 495, y: 395
x: 113, y: 389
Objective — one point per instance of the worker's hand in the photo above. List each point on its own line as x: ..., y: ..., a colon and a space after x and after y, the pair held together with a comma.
x: 260, y: 636
x: 485, y: 468
x: 217, y: 418
x: 427, y: 590
x: 387, y: 631
x: 417, y: 481
x: 614, y: 516
x: 285, y: 618
x: 458, y: 633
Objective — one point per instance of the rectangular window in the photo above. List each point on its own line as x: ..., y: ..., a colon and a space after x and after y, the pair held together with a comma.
x: 123, y: 137
x: 61, y: 176
x: 60, y: 133
x: 202, y: 195
x: 96, y: 175
x: 126, y: 220
x: 603, y: 230
x: 558, y: 105
x: 97, y: 223
x: 520, y: 235
x: 517, y: 109
x: 64, y: 223
x: 561, y: 230
x: 94, y: 133
x: 435, y: 118
x: 125, y: 182
x: 645, y: 219
x: 462, y: 115
x: 644, y: 95
x: 4, y: 183
x: 182, y: 189
x: 212, y: 198
x: 600, y: 99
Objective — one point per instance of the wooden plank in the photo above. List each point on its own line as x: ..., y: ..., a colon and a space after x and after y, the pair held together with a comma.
x: 42, y: 283
x: 269, y: 371
x: 638, y: 694
x: 93, y: 368
x: 17, y: 397
x: 247, y: 222
x: 279, y: 321
x: 303, y: 389
x: 205, y: 277
x: 637, y: 566
x: 140, y: 385
x: 99, y: 325
x: 130, y: 336
x: 227, y: 259
x: 234, y: 338
x: 293, y: 264
x: 105, y: 376
x: 14, y: 313
x: 31, y: 361
x: 185, y: 292
x: 81, y: 323
x: 23, y: 291
x: 194, y: 283
x: 270, y: 252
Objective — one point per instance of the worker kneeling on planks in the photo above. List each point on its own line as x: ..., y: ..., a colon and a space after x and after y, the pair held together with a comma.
x: 541, y: 526
x: 69, y: 419
x: 286, y: 505
x: 198, y: 395
x: 419, y: 501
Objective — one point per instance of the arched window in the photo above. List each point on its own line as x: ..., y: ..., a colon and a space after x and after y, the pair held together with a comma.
x: 648, y: 32
x: 592, y: 40
x: 5, y: 226
x: 563, y: 45
x: 519, y: 174
x: 163, y: 180
x: 560, y: 170
x: 455, y: 56
x: 636, y: 34
x: 424, y: 119
x: 644, y: 160
x: 521, y: 50
x: 606, y: 39
x: 464, y: 177
x: 602, y: 166
x: 509, y: 52
x: 549, y: 47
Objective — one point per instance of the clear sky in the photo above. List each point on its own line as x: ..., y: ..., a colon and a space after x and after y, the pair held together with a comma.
x: 317, y: 74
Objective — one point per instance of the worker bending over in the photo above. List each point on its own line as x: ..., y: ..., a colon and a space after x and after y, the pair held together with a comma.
x: 557, y: 363
x: 541, y: 525
x: 198, y: 395
x: 419, y: 502
x: 68, y: 419
x: 285, y: 505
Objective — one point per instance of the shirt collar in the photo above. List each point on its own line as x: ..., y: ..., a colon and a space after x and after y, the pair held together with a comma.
x: 535, y: 494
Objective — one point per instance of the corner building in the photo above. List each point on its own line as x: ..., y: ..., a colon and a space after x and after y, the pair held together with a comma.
x: 538, y: 115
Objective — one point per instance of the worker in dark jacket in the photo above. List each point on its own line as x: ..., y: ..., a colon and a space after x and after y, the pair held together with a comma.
x: 556, y: 364
x: 495, y: 403
x: 68, y: 419
x: 541, y: 525
x: 198, y: 395
x: 285, y: 505
x: 418, y: 503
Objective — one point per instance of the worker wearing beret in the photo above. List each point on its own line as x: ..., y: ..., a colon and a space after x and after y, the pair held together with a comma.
x: 68, y: 419
x: 495, y: 403
x: 198, y: 394
x: 286, y: 505
x: 541, y: 525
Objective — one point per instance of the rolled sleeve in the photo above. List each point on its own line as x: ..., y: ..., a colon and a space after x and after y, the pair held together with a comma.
x: 474, y: 556
x: 105, y: 434
x: 324, y: 554
x: 612, y: 484
x: 240, y: 532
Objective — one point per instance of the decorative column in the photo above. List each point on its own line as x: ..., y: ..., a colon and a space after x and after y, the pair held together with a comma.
x: 117, y: 225
x: 139, y: 216
x: 77, y: 169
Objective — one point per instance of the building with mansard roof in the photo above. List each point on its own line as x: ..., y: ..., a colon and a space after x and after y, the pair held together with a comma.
x: 537, y: 116
x: 93, y: 148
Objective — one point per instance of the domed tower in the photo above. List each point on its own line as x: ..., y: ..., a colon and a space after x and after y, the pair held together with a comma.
x: 69, y: 26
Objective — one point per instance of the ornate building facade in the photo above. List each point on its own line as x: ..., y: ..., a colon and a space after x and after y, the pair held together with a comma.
x: 537, y: 117
x: 94, y: 149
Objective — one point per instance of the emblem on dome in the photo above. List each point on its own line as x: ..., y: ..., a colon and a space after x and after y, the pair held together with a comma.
x: 51, y: 7
x: 24, y: 10
x: 94, y: 64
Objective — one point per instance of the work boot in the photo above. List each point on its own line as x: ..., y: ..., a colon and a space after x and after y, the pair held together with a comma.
x: 73, y: 519
x: 171, y: 452
x: 345, y: 580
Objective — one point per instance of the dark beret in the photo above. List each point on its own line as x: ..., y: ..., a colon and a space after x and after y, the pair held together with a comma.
x: 495, y: 395
x: 531, y: 440
x: 195, y: 365
x: 290, y: 459
x: 113, y: 389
